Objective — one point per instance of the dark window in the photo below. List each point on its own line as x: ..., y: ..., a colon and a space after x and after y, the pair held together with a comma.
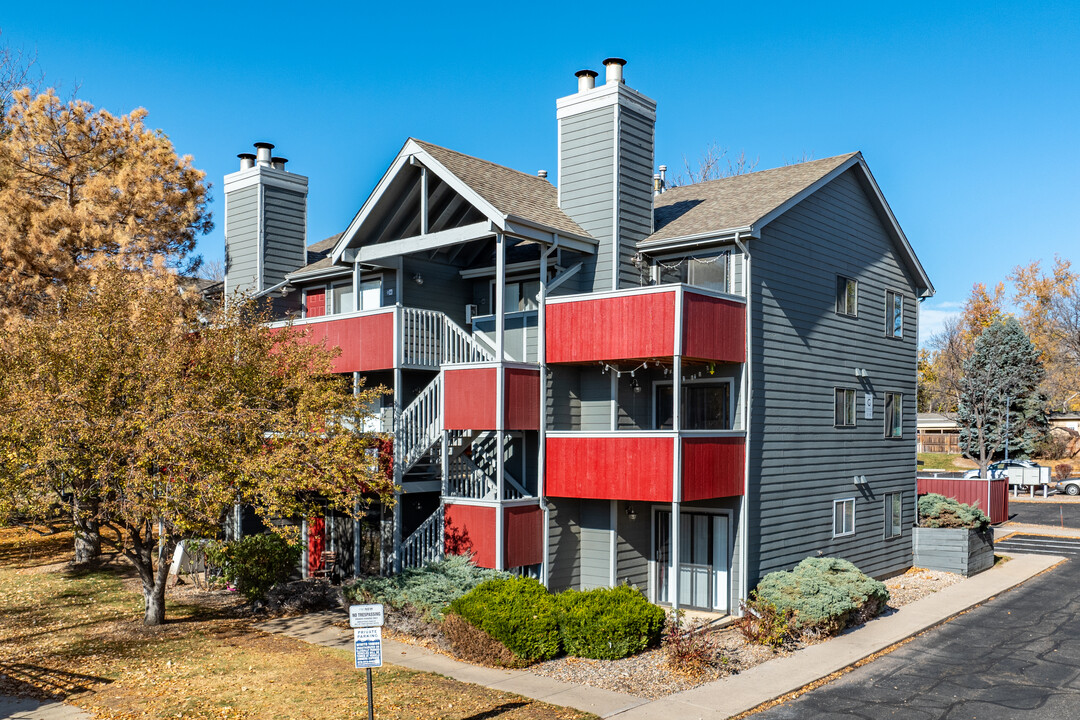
x: 893, y: 515
x: 844, y: 408
x: 894, y: 314
x: 893, y: 410
x: 706, y: 406
x: 846, y: 295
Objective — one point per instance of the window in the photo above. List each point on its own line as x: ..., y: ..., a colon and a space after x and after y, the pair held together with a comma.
x: 524, y: 295
x: 843, y: 517
x: 893, y: 422
x: 894, y: 314
x: 846, y: 295
x: 705, y: 406
x: 709, y: 272
x: 893, y: 515
x: 341, y: 298
x: 370, y: 294
x: 844, y: 408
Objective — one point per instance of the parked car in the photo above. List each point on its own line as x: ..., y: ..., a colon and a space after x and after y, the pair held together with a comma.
x: 1069, y: 487
x: 1000, y: 469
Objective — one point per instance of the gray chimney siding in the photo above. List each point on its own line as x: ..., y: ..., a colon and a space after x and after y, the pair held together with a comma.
x: 242, y: 232
x: 285, y: 222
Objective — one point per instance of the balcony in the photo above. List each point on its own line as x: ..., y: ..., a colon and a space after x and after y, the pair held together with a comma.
x: 646, y: 323
x: 366, y: 338
x: 640, y: 465
x: 470, y: 403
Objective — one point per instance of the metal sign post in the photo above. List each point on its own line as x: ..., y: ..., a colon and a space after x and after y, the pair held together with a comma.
x: 366, y: 621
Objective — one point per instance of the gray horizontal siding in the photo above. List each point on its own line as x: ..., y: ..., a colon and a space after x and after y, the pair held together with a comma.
x: 635, y: 190
x: 242, y: 239
x: 595, y: 544
x: 442, y: 290
x: 564, y: 540
x: 802, y: 350
x: 594, y: 400
x: 633, y: 548
x: 284, y: 233
x: 586, y: 157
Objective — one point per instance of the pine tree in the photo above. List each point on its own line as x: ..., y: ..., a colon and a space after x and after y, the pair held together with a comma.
x: 999, y: 395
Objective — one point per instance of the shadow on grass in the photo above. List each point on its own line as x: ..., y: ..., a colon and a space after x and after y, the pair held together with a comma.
x: 24, y: 679
x: 497, y: 711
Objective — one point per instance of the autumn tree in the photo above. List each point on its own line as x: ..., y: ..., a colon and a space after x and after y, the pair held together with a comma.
x: 80, y: 187
x: 1050, y: 312
x: 999, y: 401
x: 156, y: 414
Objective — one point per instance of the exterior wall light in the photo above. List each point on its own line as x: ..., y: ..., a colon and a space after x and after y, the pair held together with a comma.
x: 631, y: 512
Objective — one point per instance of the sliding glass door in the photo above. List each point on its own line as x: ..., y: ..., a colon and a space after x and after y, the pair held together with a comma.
x: 703, y: 559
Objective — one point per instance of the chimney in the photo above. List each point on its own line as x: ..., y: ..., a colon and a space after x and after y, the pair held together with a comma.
x: 262, y: 150
x: 265, y: 222
x: 606, y: 146
x: 586, y: 80
x: 614, y: 70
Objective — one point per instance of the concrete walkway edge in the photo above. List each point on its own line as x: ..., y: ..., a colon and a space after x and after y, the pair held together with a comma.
x: 722, y: 698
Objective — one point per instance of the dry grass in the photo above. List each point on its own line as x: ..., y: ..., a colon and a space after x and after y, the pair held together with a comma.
x: 77, y: 636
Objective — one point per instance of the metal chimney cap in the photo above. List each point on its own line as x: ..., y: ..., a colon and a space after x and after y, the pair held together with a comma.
x: 586, y: 73
x: 246, y: 156
x: 279, y: 160
x: 541, y: 173
x: 261, y: 145
x: 614, y: 60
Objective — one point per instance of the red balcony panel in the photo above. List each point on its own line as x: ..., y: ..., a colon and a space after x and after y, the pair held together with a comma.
x: 712, y: 467
x: 470, y: 529
x: 713, y: 328
x: 366, y: 342
x: 627, y: 468
x: 524, y: 532
x: 522, y: 400
x: 469, y: 399
x: 613, y: 328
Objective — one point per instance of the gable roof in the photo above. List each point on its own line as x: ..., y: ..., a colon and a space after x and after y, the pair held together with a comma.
x: 318, y: 257
x: 511, y: 192
x: 736, y: 202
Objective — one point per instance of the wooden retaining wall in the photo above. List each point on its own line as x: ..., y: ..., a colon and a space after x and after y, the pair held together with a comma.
x: 956, y: 550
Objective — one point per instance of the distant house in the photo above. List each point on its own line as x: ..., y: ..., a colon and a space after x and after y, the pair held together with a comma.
x: 938, y: 433
x: 610, y: 380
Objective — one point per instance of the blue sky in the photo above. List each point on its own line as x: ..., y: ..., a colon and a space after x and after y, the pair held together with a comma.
x: 967, y: 113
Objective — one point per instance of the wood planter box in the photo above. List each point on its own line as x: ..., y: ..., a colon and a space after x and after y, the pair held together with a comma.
x: 956, y: 550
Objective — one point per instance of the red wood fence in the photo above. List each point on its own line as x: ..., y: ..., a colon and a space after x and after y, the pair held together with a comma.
x: 992, y: 493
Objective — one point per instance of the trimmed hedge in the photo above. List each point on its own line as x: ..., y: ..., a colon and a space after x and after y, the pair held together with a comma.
x: 428, y: 589
x: 938, y: 511
x: 823, y: 595
x: 607, y: 623
x: 518, y: 612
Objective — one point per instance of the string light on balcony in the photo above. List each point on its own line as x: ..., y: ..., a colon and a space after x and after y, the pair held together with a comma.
x: 604, y: 368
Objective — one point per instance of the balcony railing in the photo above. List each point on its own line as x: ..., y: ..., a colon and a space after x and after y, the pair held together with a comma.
x: 642, y: 323
x: 641, y: 465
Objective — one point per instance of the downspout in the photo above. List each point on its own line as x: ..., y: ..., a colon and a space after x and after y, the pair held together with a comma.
x: 541, y: 359
x: 748, y: 403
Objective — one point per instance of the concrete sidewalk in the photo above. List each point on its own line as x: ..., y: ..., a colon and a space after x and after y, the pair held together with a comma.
x: 720, y: 699
x: 26, y: 709
x: 1009, y: 528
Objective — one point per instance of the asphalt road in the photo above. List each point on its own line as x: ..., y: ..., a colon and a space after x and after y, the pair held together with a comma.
x: 1045, y: 512
x: 1017, y: 656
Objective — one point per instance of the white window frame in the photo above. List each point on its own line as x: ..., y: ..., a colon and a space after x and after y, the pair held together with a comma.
x: 654, y: 575
x: 898, y: 406
x: 891, y: 297
x: 854, y: 410
x: 893, y: 498
x: 359, y: 291
x: 730, y: 382
x: 330, y: 297
x: 854, y: 311
x: 837, y: 504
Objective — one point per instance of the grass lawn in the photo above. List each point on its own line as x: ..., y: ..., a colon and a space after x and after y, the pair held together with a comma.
x: 942, y: 461
x: 78, y: 636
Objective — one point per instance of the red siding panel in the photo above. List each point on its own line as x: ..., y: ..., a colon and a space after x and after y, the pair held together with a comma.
x: 316, y: 534
x: 616, y: 328
x: 713, y: 467
x: 522, y: 399
x: 469, y: 399
x: 315, y: 301
x: 630, y: 468
x: 972, y: 492
x: 713, y: 328
x: 470, y: 529
x: 523, y: 529
x: 366, y: 342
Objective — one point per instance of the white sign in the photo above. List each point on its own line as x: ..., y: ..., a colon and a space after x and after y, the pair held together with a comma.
x: 366, y: 616
x: 367, y: 648
x: 868, y: 406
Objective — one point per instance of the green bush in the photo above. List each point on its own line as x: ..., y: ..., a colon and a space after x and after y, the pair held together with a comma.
x: 607, y: 623
x: 938, y: 511
x: 255, y: 563
x: 429, y: 588
x: 518, y: 612
x: 823, y: 595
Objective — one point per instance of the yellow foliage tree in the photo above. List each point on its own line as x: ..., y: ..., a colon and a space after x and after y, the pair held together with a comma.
x: 79, y: 187
x: 152, y: 414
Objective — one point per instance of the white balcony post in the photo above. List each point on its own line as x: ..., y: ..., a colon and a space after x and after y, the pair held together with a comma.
x: 500, y: 389
x: 676, y: 469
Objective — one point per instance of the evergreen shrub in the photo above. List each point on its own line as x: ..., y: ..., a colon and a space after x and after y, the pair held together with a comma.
x: 518, y: 612
x: 607, y: 623
x: 823, y: 595
x: 428, y: 588
x: 254, y: 563
x: 938, y: 511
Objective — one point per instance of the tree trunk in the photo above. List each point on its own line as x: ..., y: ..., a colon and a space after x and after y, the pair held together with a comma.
x: 154, y: 596
x: 87, y: 531
x: 154, y: 580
